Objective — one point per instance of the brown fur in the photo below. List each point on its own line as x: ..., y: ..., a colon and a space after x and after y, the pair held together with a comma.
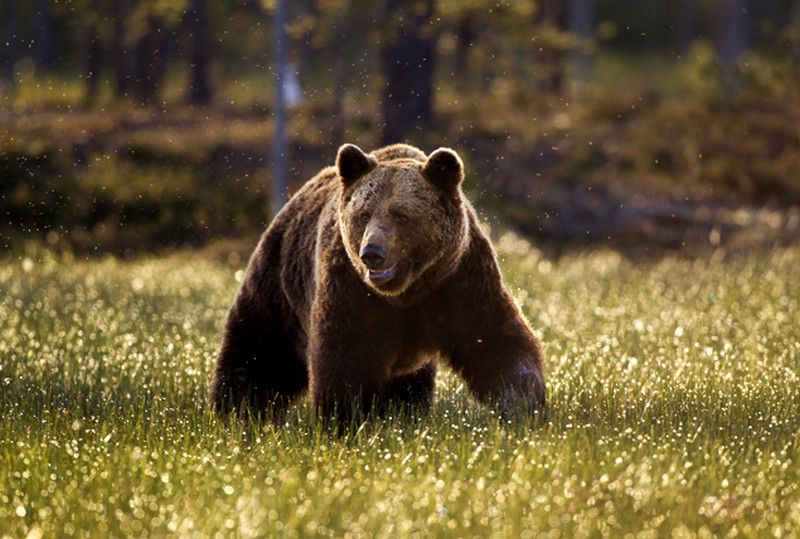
x: 309, y: 316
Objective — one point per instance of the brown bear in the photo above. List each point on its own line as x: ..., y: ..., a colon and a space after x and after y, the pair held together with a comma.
x: 375, y: 270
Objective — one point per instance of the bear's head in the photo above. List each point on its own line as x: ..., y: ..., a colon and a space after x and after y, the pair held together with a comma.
x: 401, y: 215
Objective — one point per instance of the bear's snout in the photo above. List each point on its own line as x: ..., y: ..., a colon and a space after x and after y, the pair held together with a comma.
x: 373, y: 256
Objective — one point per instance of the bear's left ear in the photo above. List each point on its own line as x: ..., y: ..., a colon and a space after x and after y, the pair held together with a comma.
x: 444, y: 169
x: 353, y: 163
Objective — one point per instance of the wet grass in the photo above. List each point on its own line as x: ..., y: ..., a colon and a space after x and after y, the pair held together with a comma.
x: 673, y: 388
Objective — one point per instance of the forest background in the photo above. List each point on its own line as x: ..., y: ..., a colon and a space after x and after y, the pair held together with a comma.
x: 640, y: 126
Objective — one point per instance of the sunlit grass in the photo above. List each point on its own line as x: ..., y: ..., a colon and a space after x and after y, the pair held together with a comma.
x: 673, y: 389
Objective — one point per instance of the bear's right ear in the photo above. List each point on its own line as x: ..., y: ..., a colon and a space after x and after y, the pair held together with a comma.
x: 444, y: 169
x: 353, y: 163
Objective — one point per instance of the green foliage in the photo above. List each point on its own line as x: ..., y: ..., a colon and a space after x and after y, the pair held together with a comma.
x: 645, y: 125
x: 674, y: 408
x: 81, y: 189
x: 124, y: 178
x: 167, y: 12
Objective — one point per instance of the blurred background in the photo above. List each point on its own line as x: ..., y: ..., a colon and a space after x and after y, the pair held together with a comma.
x: 648, y: 127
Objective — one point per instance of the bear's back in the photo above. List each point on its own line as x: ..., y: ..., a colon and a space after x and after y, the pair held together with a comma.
x: 296, y: 230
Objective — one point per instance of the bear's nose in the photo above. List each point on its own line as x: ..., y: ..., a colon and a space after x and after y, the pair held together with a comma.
x: 373, y: 256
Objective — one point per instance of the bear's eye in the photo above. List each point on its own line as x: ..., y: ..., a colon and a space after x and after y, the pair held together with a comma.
x: 400, y: 218
x: 364, y: 218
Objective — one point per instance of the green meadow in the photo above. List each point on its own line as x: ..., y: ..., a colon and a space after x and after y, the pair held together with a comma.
x: 674, y: 409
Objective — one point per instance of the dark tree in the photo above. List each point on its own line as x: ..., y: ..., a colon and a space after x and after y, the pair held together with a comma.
x: 339, y: 89
x: 42, y: 33
x: 149, y: 66
x: 795, y: 22
x: 338, y: 46
x: 732, y: 39
x: 92, y: 67
x: 122, y: 55
x: 199, y: 44
x: 407, y: 60
x: 552, y: 14
x: 466, y: 33
x: 8, y: 39
x: 765, y: 17
x: 344, y: 24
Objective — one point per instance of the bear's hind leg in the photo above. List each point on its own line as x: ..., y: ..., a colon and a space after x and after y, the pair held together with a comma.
x: 258, y: 366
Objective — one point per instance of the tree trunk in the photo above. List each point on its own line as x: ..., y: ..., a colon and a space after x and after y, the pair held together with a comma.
x: 795, y: 22
x: 407, y: 61
x: 92, y: 67
x: 279, y: 170
x: 465, y: 37
x: 732, y: 40
x: 199, y: 90
x: 581, y: 23
x: 339, y: 88
x: 8, y: 40
x: 763, y: 14
x: 42, y: 34
x: 123, y: 57
x: 553, y: 14
x: 149, y: 68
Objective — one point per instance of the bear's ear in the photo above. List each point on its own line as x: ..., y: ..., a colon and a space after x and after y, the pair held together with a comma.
x: 444, y: 169
x: 353, y: 163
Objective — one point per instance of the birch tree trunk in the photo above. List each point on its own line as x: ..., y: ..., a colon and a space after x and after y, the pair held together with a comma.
x: 279, y: 172
x: 581, y: 19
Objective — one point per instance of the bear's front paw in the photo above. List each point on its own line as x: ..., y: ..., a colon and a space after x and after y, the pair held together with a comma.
x: 525, y: 398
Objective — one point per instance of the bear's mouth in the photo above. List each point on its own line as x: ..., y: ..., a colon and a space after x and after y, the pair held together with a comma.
x: 382, y: 276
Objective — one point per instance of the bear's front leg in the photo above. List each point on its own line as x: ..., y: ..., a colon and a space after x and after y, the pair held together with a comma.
x: 505, y: 379
x: 342, y: 398
x: 352, y: 340
x: 347, y: 373
x: 500, y: 359
x: 502, y: 374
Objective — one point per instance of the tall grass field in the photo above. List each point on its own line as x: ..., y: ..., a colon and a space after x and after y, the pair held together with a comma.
x: 674, y: 409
